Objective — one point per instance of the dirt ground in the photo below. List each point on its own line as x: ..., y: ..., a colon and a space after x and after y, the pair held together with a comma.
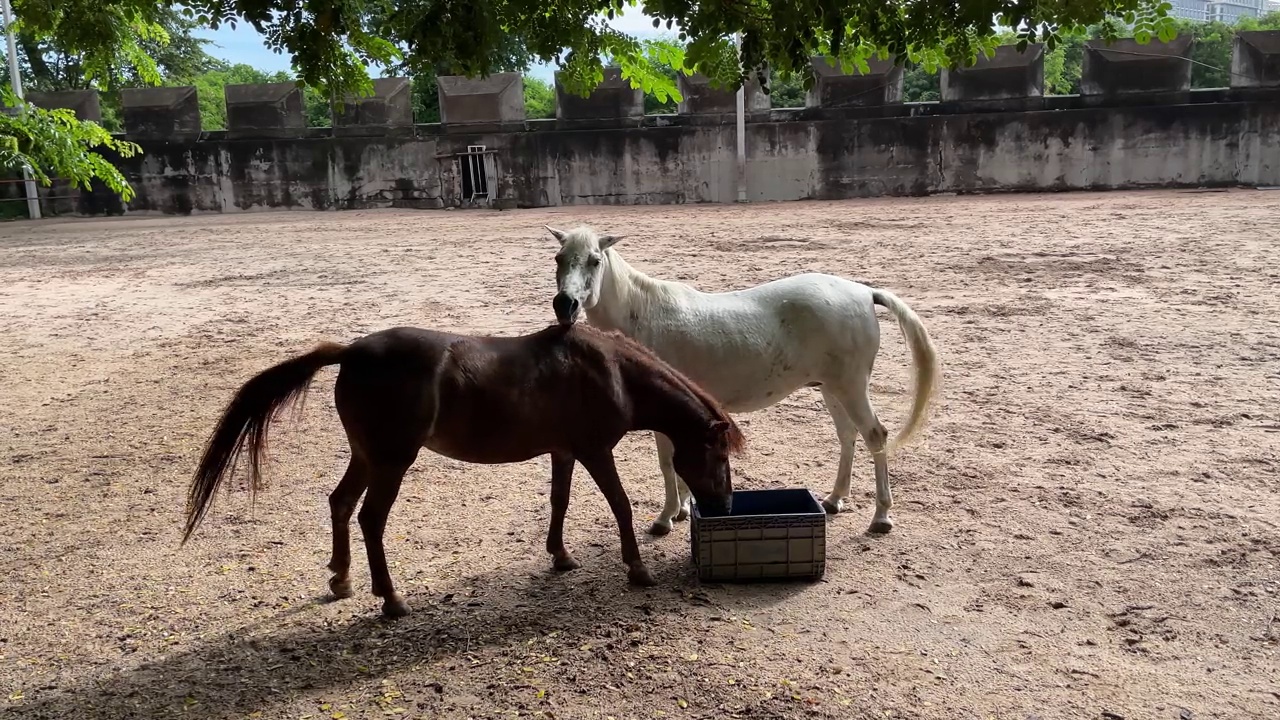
x: 1089, y: 526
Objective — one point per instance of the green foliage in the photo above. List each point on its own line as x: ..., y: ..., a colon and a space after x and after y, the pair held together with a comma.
x: 1211, y: 52
x: 787, y: 91
x: 654, y: 72
x: 920, y: 85
x: 210, y: 88
x: 539, y: 99
x: 509, y: 55
x: 46, y: 64
x: 54, y: 144
x: 169, y: 50
x: 1270, y: 21
x: 103, y: 40
x: 317, y: 107
x: 329, y: 39
x: 72, y: 44
x: 425, y: 95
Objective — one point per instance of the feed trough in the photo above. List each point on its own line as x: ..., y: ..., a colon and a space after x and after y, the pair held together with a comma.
x: 771, y: 535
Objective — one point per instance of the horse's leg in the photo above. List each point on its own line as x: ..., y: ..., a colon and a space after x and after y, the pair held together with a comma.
x: 686, y: 499
x: 605, y: 474
x: 384, y: 485
x: 857, y: 402
x: 672, y: 507
x: 342, y: 502
x: 847, y: 432
x: 561, y: 479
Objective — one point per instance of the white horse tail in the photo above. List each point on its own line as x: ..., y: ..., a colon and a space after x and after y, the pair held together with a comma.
x: 923, y: 356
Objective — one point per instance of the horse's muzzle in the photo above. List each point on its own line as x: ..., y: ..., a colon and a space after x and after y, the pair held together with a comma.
x: 566, y: 308
x: 716, y: 506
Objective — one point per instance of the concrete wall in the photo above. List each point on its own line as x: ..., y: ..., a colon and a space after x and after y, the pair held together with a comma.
x: 999, y: 140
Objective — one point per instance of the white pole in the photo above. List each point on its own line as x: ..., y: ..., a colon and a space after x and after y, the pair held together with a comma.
x: 742, y: 130
x: 33, y: 195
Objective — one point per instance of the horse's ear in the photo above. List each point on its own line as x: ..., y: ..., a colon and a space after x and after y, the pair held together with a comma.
x: 557, y: 234
x: 608, y: 241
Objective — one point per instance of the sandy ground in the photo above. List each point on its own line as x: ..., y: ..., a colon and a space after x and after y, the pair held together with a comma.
x: 1089, y: 527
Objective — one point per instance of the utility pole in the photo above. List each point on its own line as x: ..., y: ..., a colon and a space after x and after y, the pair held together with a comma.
x: 742, y: 129
x: 33, y: 195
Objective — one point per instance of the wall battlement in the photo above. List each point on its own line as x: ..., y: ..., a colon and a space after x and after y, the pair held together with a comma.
x: 1136, y: 124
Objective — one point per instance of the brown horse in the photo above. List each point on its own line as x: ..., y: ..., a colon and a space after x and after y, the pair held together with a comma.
x: 568, y: 391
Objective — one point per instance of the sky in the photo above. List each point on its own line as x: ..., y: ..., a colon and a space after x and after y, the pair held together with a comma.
x: 245, y: 45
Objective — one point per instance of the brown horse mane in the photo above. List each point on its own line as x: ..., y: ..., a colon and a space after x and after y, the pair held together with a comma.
x: 641, y: 352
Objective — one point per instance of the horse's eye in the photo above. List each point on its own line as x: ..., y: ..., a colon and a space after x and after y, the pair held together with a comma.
x: 593, y: 261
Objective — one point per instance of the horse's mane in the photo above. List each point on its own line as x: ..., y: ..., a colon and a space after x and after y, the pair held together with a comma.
x: 639, y: 291
x: 641, y: 352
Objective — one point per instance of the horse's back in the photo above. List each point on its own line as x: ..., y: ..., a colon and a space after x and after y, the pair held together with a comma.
x: 806, y: 303
x: 751, y: 346
x: 806, y: 287
x: 476, y: 398
x: 403, y: 347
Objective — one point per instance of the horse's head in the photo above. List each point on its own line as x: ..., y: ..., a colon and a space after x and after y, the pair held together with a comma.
x: 579, y: 266
x: 703, y: 464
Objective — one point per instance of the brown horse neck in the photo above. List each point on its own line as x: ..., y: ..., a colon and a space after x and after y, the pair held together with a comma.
x: 664, y: 402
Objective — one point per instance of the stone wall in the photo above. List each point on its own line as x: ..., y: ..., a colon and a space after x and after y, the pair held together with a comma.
x: 994, y: 131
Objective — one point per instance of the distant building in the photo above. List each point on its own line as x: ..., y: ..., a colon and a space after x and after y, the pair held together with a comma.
x: 1223, y: 11
x: 1230, y: 11
x: 1197, y: 10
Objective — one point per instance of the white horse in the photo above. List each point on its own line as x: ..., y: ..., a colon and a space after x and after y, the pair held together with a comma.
x: 751, y: 348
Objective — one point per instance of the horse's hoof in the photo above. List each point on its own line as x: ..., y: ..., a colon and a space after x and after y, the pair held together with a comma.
x: 565, y: 563
x: 832, y: 506
x: 640, y: 576
x: 394, y: 606
x: 881, y: 527
x: 682, y: 515
x: 658, y: 529
x: 341, y: 589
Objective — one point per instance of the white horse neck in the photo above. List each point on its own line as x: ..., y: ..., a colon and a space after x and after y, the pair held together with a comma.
x: 628, y: 297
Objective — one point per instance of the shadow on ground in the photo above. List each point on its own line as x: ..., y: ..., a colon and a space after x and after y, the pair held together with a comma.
x: 259, y: 667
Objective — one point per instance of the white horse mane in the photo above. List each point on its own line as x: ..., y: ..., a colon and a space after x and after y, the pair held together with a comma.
x: 633, y: 289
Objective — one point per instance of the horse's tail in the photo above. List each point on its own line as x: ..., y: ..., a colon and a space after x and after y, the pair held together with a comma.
x: 245, y: 422
x: 923, y: 356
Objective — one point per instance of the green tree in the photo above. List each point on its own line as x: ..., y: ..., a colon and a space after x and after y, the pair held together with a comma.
x: 509, y: 55
x: 211, y: 89
x: 319, y: 112
x: 1062, y: 65
x: 539, y: 99
x: 1211, y: 53
x: 53, y: 143
x: 106, y: 41
x: 1270, y: 21
x: 660, y: 59
x: 787, y: 91
x: 1212, y: 50
x: 170, y: 48
x: 331, y: 40
x: 920, y: 85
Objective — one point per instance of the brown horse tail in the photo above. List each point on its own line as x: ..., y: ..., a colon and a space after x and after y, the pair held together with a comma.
x: 245, y: 422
